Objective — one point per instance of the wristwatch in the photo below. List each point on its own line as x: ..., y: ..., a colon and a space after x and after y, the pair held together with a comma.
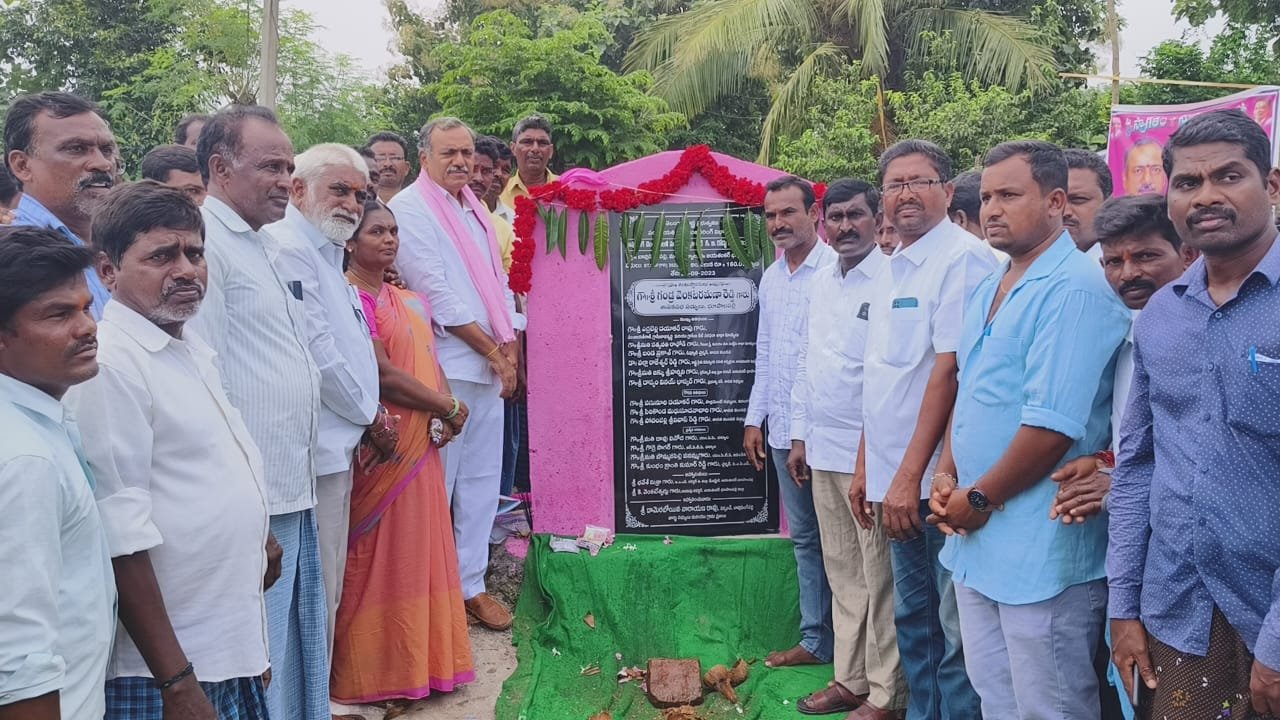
x: 978, y: 500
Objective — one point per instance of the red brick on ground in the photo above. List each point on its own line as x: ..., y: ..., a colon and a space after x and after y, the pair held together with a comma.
x: 673, y: 683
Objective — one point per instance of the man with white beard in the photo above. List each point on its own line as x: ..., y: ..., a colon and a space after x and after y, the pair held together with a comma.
x: 330, y: 186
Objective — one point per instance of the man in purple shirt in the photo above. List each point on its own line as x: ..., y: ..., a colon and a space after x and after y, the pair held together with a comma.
x: 1194, y: 556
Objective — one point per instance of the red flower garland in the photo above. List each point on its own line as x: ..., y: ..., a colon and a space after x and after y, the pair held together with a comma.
x: 650, y: 192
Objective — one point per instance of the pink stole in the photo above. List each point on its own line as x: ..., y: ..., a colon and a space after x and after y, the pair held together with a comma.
x: 486, y: 274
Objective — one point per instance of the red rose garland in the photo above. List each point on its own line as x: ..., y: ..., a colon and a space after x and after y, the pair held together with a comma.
x: 650, y: 192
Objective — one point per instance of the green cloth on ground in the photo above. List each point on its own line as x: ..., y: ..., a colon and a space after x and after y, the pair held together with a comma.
x: 706, y: 598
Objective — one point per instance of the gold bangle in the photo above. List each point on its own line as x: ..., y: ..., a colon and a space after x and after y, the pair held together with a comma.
x: 489, y: 355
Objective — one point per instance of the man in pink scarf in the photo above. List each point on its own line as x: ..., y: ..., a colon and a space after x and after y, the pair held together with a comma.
x: 448, y: 252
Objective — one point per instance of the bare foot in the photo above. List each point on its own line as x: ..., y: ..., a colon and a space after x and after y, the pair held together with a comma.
x: 795, y: 656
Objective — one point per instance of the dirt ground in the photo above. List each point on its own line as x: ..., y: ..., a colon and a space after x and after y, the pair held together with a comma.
x: 495, y: 658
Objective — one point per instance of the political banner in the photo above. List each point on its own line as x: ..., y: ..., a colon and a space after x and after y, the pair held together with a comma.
x: 1139, y: 132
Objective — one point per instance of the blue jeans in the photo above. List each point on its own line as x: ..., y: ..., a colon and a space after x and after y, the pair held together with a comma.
x: 928, y: 623
x: 816, y: 634
x: 510, y: 445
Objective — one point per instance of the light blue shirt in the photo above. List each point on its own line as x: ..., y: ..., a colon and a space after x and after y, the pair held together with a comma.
x: 57, y: 606
x: 1045, y: 360
x: 31, y: 212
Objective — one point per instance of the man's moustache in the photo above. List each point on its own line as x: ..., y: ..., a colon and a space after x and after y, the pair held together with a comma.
x: 174, y: 288
x: 97, y: 178
x: 1210, y: 213
x: 83, y: 345
x: 1137, y: 285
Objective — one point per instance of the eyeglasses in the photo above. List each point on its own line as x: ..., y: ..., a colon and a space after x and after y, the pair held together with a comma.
x: 342, y: 190
x: 916, y: 186
x: 388, y: 158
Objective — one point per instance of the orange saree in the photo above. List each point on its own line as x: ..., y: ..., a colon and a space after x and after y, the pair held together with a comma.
x: 402, y: 629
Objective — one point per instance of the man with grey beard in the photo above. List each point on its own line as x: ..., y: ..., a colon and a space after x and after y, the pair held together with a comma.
x: 60, y: 148
x: 329, y: 189
x: 179, y: 481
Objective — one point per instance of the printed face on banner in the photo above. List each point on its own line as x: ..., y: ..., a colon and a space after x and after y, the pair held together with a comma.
x: 1139, y: 133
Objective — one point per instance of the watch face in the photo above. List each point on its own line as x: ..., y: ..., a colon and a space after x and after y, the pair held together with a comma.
x: 978, y: 501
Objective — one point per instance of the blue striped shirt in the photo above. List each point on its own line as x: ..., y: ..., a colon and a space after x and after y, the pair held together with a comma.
x: 258, y: 329
x: 31, y: 212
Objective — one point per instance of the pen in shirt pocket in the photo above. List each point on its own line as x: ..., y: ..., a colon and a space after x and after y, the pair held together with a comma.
x: 1256, y: 357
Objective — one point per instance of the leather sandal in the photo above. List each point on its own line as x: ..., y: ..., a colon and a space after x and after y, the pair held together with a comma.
x: 832, y: 699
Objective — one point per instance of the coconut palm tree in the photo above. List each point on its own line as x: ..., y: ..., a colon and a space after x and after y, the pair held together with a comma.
x: 717, y: 46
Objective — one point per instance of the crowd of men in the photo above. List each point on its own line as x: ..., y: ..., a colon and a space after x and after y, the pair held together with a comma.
x: 988, y: 449
x: 985, y: 452
x: 188, y: 379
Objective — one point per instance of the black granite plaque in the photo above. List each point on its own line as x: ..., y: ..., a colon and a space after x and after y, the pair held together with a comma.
x: 684, y: 350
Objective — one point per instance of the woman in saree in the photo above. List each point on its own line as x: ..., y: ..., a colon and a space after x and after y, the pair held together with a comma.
x: 402, y: 628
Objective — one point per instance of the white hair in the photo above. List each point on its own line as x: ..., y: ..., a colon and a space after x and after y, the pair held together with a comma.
x: 440, y: 123
x: 309, y: 165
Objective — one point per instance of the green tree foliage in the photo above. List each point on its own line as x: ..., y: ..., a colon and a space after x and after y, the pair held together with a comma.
x: 1261, y: 15
x: 967, y: 119
x: 843, y: 132
x: 501, y: 73
x: 717, y: 46
x: 731, y: 125
x: 149, y: 62
x: 839, y: 138
x: 1239, y: 54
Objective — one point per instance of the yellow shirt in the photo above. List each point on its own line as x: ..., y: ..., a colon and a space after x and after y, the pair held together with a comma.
x: 506, y: 238
x: 516, y: 189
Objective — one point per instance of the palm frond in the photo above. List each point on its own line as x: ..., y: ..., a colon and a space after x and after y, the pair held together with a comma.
x: 986, y: 46
x: 790, y: 100
x: 766, y: 65
x: 869, y: 21
x: 694, y: 55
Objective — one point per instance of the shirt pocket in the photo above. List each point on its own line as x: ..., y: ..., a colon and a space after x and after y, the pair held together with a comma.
x: 999, y: 376
x: 908, y: 337
x: 1253, y: 392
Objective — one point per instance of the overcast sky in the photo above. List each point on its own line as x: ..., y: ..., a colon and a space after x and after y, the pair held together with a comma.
x: 360, y: 29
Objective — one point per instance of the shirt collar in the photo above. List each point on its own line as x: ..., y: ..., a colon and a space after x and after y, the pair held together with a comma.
x: 1050, y: 259
x: 1195, y: 281
x: 131, y: 323
x: 32, y: 212
x: 449, y: 197
x: 294, y: 216
x: 810, y: 261
x: 32, y: 398
x: 868, y: 265
x: 223, y: 212
x: 923, y: 247
x: 515, y: 183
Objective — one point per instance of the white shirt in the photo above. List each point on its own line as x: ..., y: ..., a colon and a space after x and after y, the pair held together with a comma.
x: 57, y: 606
x: 339, y: 337
x: 1095, y: 253
x: 505, y: 212
x: 179, y: 477
x: 430, y: 264
x: 921, y: 294
x: 783, y: 330
x: 258, y: 330
x: 826, y: 399
x: 1124, y: 380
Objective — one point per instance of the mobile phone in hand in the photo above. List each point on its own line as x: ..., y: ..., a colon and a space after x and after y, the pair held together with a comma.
x: 1136, y: 685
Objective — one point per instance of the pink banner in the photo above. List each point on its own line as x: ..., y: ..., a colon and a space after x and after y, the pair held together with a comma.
x: 1139, y: 132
